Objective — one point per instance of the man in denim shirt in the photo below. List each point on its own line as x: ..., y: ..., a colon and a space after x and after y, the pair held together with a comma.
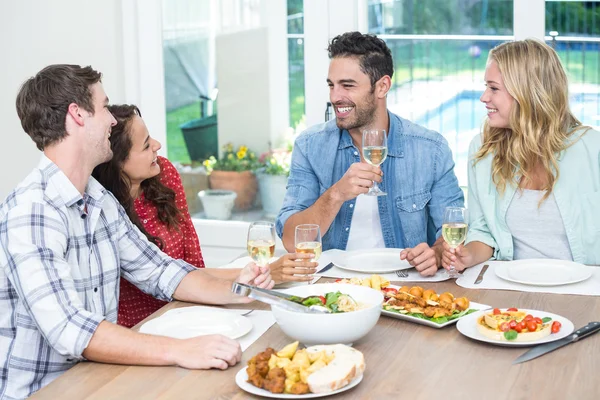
x: 329, y: 177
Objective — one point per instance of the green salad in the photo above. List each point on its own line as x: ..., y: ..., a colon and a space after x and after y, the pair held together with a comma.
x: 336, y: 302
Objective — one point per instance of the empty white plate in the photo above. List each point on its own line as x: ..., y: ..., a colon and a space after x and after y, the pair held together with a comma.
x: 373, y: 261
x: 188, y: 322
x: 543, y: 272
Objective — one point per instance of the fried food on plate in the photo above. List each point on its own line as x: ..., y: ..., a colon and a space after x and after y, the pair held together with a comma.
x: 316, y: 369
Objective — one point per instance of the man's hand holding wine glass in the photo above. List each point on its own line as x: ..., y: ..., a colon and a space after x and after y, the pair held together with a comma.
x: 357, y: 180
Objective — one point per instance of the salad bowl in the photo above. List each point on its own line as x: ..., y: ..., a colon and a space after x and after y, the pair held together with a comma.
x: 340, y: 326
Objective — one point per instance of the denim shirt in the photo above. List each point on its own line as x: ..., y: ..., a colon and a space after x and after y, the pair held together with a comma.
x: 418, y: 176
x: 577, y: 194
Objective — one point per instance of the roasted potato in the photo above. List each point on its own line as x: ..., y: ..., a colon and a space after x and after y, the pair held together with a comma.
x: 289, y: 350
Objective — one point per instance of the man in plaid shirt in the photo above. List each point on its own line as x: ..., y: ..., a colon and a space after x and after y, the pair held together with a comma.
x: 65, y: 241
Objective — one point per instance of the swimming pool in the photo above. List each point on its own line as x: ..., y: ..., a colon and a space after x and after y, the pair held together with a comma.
x: 460, y: 119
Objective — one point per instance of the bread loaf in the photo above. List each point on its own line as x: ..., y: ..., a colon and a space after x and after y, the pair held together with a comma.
x: 348, y: 364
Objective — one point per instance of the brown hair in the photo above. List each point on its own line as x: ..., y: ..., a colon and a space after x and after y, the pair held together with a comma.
x: 111, y: 175
x: 43, y: 100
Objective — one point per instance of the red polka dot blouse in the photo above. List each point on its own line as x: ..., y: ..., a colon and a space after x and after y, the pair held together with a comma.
x: 135, y: 305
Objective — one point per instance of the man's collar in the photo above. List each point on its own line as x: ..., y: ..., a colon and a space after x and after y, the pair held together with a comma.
x: 65, y: 188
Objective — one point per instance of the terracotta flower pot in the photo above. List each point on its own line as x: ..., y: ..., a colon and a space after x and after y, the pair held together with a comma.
x: 243, y: 183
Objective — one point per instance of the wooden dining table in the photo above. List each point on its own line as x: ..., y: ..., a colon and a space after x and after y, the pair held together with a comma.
x: 404, y: 360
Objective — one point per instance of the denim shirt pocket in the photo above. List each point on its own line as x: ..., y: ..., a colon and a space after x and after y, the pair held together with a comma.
x: 413, y: 217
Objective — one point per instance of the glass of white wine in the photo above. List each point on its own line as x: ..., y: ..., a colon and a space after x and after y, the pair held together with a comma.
x: 375, y: 150
x: 308, y: 239
x: 261, y: 242
x: 454, y: 231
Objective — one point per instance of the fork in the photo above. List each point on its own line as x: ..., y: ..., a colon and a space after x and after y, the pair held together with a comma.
x: 402, y: 273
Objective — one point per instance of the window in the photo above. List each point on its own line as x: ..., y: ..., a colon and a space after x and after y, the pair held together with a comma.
x: 573, y: 29
x: 440, y: 50
x: 296, y: 59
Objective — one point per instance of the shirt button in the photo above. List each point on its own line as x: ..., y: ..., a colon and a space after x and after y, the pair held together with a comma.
x: 356, y: 153
x: 95, y: 289
x: 347, y: 229
x: 83, y: 216
x: 145, y: 221
x: 414, y: 206
x: 351, y: 205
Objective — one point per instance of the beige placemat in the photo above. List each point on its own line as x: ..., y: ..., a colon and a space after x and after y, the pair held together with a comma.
x: 261, y: 320
x: 335, y: 272
x: 589, y: 287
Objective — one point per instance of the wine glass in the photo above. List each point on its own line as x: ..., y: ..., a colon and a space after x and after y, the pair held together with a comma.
x: 308, y: 239
x: 374, y: 149
x: 454, y: 231
x: 261, y: 242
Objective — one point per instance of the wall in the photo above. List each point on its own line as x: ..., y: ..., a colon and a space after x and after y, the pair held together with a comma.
x: 34, y: 34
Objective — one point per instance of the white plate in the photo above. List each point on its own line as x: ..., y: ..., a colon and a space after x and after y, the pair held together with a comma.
x: 468, y: 327
x: 241, y: 377
x: 187, y: 322
x: 373, y: 261
x: 543, y: 272
x: 410, y: 318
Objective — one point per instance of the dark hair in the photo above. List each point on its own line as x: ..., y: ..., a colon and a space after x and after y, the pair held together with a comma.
x: 110, y: 174
x: 374, y: 56
x: 43, y: 100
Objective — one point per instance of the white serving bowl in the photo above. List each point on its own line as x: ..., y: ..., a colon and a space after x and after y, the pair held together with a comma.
x: 345, y: 328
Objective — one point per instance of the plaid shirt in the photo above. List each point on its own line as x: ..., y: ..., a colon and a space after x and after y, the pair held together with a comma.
x: 61, y: 256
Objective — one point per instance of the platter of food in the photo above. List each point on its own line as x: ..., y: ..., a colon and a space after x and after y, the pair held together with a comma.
x: 515, y: 327
x: 418, y: 305
x: 373, y: 261
x: 294, y: 373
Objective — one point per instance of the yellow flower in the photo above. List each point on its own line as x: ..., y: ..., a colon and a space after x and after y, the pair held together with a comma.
x: 243, y: 148
x: 241, y: 154
x: 206, y: 163
x: 230, y: 156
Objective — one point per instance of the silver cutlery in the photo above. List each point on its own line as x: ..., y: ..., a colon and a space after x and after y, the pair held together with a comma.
x: 479, y: 278
x: 325, y: 268
x: 401, y: 273
x: 545, y: 348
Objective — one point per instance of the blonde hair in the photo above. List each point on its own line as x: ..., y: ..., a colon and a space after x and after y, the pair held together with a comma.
x: 540, y: 121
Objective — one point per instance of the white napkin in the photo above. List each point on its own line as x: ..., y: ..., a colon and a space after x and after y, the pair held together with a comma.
x: 261, y: 320
x: 335, y: 272
x: 589, y: 287
x: 243, y: 261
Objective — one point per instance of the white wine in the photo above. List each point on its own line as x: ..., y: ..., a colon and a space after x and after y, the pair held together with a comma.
x: 310, y: 247
x: 261, y: 251
x: 375, y: 155
x: 454, y: 233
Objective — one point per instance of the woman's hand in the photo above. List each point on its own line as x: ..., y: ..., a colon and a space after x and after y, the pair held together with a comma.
x: 254, y: 275
x: 460, y: 258
x: 293, y: 267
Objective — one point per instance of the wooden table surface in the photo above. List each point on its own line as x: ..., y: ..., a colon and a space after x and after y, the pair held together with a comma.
x: 404, y: 361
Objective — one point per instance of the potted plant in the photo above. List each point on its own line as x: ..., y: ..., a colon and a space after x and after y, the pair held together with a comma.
x: 234, y: 171
x: 272, y: 179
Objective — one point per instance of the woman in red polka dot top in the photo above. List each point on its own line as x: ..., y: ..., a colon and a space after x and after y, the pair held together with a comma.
x: 150, y: 189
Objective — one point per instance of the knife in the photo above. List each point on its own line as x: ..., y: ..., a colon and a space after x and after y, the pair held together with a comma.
x: 326, y: 268
x: 480, y: 276
x: 542, y: 349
